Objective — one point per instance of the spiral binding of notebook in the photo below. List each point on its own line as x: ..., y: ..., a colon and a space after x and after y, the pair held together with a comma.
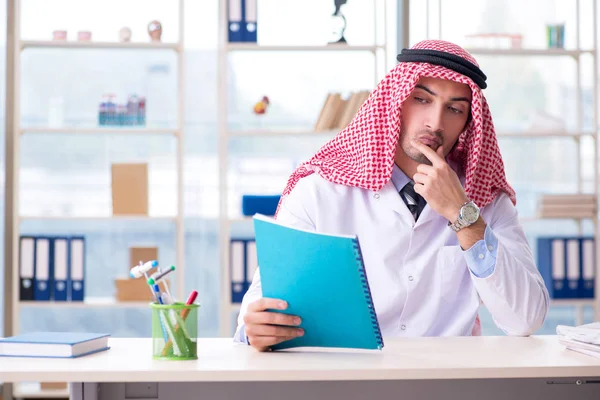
x: 367, y: 291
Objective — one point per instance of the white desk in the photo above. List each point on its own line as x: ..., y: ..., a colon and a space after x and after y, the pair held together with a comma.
x: 448, y: 368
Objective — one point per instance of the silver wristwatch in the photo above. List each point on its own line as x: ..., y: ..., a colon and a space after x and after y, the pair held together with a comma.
x: 468, y: 215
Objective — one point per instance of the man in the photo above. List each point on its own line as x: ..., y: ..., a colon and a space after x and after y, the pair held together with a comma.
x: 418, y: 176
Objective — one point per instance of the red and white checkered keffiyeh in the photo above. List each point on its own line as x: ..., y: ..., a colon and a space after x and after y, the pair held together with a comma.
x: 362, y: 155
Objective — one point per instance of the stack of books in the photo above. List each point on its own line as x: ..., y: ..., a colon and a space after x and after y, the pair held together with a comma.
x: 583, y: 339
x: 567, y: 206
x: 337, y: 112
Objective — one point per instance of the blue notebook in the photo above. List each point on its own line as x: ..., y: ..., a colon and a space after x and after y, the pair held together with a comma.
x: 323, y: 279
x: 54, y: 344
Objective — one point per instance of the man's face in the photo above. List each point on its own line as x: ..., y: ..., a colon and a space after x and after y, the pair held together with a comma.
x: 435, y: 114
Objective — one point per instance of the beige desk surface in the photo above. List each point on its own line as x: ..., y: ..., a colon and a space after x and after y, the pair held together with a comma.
x: 220, y: 360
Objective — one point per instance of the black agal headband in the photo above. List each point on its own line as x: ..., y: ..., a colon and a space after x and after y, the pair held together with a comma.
x: 448, y: 60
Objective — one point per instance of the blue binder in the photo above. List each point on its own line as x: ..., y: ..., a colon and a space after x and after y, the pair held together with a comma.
x: 238, y: 268
x: 43, y: 269
x: 323, y: 279
x: 588, y: 268
x: 235, y: 21
x: 259, y: 204
x: 61, y: 279
x: 77, y: 267
x: 250, y: 28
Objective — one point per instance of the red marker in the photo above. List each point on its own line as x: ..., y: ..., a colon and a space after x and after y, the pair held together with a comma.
x: 189, y: 301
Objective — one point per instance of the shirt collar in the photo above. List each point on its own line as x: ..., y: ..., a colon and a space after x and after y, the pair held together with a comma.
x: 399, y: 178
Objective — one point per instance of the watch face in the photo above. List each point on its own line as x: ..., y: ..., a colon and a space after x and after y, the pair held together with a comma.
x: 469, y: 213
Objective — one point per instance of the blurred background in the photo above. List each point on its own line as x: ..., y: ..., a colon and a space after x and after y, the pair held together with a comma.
x: 99, y: 94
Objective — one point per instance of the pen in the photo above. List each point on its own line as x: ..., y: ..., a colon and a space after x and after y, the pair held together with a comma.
x: 157, y: 293
x: 157, y: 277
x: 161, y: 274
x: 184, y: 314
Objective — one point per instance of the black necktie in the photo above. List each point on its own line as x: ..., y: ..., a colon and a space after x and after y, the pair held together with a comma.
x: 413, y: 200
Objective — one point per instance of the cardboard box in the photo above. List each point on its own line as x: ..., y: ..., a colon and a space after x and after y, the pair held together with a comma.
x: 53, y: 385
x: 135, y: 289
x: 129, y: 189
x: 140, y: 253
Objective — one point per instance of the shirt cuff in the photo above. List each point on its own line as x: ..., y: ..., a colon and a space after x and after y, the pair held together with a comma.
x: 481, y: 257
x: 240, y: 335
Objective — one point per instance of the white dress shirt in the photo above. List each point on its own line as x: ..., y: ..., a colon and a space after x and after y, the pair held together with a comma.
x: 422, y: 282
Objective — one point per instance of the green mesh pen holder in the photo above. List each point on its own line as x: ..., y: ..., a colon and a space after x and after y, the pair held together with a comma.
x: 174, y: 331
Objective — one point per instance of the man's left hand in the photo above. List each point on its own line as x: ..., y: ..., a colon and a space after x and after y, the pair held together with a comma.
x: 438, y: 183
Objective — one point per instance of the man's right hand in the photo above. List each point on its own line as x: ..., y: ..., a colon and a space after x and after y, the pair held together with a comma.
x: 265, y: 329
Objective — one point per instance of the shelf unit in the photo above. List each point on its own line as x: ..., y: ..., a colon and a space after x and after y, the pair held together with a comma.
x: 57, y: 44
x: 528, y: 52
x: 100, y: 131
x: 14, y: 131
x: 227, y: 308
x: 88, y: 302
x: 324, y: 48
x: 576, y: 54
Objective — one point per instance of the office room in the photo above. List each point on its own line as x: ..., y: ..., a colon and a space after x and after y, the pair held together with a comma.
x: 328, y: 199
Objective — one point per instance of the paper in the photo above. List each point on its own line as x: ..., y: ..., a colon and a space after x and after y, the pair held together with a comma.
x: 588, y: 333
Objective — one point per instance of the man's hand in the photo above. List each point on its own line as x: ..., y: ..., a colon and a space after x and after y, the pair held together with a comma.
x: 265, y: 329
x: 438, y: 183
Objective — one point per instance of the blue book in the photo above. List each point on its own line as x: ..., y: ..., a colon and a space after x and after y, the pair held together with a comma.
x: 322, y: 277
x: 54, y: 344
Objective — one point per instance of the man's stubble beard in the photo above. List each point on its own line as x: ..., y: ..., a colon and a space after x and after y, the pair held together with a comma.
x: 411, y: 152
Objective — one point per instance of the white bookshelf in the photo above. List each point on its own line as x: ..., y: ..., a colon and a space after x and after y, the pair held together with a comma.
x: 100, y: 131
x: 377, y: 51
x: 88, y: 302
x: 60, y: 44
x: 15, y: 131
x: 528, y: 52
x: 325, y: 48
x: 545, y: 135
x: 279, y: 133
x: 576, y: 54
x: 101, y: 217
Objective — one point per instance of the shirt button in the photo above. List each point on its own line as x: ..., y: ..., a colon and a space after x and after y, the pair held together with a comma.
x: 490, y: 248
x: 410, y: 278
x: 481, y: 256
x: 376, y: 195
x: 403, y: 327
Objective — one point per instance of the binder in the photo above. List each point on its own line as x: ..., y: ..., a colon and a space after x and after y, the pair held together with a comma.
x: 43, y: 270
x: 251, y: 262
x: 573, y: 267
x: 249, y: 30
x: 259, y: 204
x: 323, y: 279
x: 26, y: 267
x: 234, y: 21
x: 551, y: 264
x: 588, y: 268
x: 237, y: 257
x: 77, y: 267
x: 60, y: 282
